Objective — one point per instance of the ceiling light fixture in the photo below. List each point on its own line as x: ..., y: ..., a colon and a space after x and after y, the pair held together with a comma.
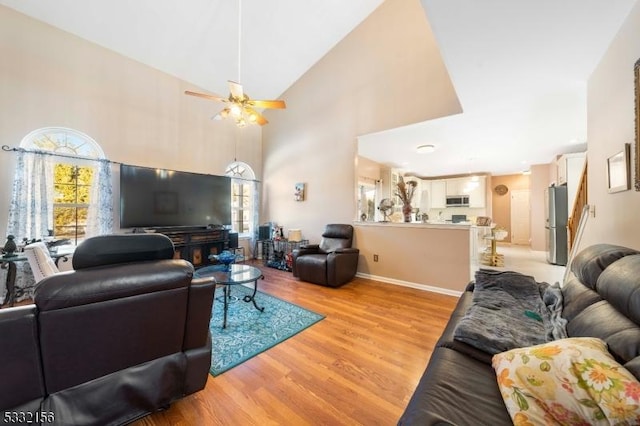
x: 425, y: 149
x: 240, y: 106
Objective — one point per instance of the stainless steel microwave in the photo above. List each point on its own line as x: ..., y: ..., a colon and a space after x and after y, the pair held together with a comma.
x: 457, y: 201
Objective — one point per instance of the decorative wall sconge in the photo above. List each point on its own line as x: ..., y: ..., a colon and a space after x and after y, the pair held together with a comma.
x: 299, y: 192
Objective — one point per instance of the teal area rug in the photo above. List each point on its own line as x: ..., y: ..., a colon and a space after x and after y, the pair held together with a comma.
x: 249, y: 331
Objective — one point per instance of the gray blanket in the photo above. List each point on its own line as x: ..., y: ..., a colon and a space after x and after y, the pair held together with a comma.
x: 511, y: 310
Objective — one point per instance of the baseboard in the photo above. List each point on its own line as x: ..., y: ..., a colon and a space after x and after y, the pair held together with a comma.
x: 424, y: 287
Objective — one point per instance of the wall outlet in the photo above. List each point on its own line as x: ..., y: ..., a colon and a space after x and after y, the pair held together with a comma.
x: 375, y: 257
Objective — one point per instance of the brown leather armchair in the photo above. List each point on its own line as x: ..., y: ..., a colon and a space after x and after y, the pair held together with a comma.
x: 331, y: 263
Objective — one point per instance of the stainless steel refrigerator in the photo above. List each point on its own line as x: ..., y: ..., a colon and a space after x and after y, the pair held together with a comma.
x: 556, y: 208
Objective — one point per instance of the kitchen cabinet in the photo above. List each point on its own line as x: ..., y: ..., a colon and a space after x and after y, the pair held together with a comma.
x: 395, y: 178
x: 438, y: 194
x: 416, y: 201
x: 389, y: 186
x: 473, y: 186
x: 439, y: 189
x: 455, y: 186
x: 569, y: 168
x: 478, y: 193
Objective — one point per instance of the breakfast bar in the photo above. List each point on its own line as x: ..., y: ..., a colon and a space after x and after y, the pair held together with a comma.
x: 441, y: 257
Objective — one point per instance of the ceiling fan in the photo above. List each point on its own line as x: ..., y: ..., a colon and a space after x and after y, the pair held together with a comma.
x: 239, y: 105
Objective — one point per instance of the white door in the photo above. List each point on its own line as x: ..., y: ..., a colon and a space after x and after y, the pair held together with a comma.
x: 520, y: 217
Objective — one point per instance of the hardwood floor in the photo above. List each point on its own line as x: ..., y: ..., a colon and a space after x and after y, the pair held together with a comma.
x: 359, y: 365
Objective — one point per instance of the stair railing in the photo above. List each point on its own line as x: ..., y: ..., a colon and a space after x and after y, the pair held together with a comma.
x: 580, y: 201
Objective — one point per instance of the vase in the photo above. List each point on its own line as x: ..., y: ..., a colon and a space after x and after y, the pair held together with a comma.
x: 226, y: 258
x: 406, y: 211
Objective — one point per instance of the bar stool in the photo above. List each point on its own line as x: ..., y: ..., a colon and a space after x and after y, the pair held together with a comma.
x: 493, y: 258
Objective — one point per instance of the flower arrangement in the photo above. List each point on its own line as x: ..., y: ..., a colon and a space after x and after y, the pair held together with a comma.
x: 405, y: 193
x: 405, y: 190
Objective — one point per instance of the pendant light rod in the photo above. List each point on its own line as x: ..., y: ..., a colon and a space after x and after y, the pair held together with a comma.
x: 239, y: 41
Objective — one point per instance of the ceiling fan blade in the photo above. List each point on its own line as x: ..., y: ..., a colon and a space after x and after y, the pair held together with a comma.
x: 259, y: 119
x: 222, y: 114
x: 278, y: 104
x: 236, y: 89
x: 203, y: 95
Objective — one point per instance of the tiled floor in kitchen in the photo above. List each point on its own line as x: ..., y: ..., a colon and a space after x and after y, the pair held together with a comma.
x: 523, y: 259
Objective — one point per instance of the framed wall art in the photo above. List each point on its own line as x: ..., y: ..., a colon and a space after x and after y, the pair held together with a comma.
x: 618, y: 177
x: 298, y: 193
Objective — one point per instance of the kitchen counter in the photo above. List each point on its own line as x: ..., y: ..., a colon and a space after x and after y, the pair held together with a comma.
x: 440, y: 257
x: 429, y: 224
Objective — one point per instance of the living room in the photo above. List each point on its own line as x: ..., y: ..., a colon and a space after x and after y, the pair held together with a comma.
x: 101, y: 93
x: 140, y: 116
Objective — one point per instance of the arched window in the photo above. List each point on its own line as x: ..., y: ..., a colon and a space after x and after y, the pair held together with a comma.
x: 64, y: 141
x: 62, y: 187
x: 244, y: 194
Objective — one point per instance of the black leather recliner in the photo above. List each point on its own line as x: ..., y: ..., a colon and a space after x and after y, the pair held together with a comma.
x: 331, y: 263
x: 123, y: 335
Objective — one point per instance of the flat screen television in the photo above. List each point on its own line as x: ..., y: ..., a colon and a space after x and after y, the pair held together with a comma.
x: 166, y: 198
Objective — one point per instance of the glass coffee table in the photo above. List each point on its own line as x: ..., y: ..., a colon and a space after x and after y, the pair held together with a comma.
x: 227, y: 277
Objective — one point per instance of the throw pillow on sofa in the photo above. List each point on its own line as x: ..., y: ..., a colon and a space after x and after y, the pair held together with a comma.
x: 567, y: 381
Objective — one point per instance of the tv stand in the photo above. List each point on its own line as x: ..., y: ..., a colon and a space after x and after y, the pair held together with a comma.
x: 196, y: 243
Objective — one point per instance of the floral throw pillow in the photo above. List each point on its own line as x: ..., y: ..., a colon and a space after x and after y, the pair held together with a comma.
x: 572, y: 381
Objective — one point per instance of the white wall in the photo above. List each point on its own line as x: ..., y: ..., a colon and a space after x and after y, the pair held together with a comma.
x: 610, y: 124
x: 539, y: 181
x: 137, y: 114
x: 386, y: 73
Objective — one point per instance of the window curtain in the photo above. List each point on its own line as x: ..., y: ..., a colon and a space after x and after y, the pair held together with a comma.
x: 31, y: 208
x: 30, y: 212
x: 100, y: 214
x: 255, y: 202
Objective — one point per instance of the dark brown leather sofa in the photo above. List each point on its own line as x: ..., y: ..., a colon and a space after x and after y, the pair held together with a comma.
x: 123, y: 335
x: 331, y: 263
x: 601, y: 298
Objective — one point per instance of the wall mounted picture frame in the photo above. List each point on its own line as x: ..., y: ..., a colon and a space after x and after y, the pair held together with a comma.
x: 299, y: 191
x: 636, y: 156
x: 618, y: 168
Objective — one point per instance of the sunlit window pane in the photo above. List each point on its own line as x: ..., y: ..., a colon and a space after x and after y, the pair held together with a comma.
x: 72, y: 195
x: 242, y: 207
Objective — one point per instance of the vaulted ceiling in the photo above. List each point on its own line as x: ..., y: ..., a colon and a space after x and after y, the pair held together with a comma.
x: 519, y: 68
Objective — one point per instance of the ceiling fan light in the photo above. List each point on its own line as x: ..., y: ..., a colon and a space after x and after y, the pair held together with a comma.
x: 253, y: 117
x: 224, y: 113
x: 236, y: 111
x: 425, y: 149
